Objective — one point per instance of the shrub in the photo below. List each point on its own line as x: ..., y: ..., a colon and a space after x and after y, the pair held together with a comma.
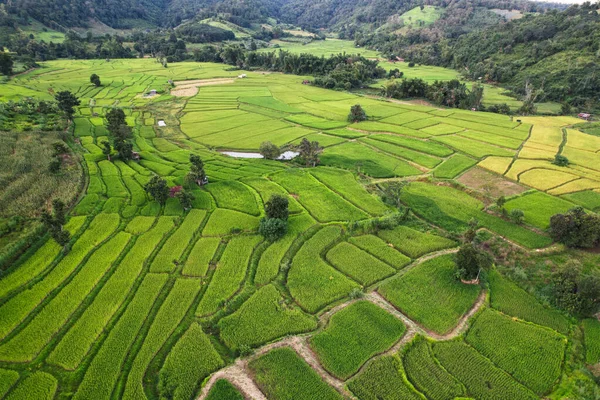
x: 560, y: 160
x: 272, y: 228
x: 277, y: 207
x: 357, y: 114
x: 269, y: 150
x: 470, y: 261
x: 517, y: 216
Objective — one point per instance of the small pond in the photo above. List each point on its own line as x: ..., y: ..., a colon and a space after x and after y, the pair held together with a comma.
x: 286, y: 155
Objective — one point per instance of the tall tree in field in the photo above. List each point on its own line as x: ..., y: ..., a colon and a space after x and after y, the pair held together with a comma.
x: 115, y: 118
x: 95, y: 80
x: 121, y: 133
x: 274, y: 225
x: 157, y: 189
x: 54, y: 223
x: 470, y: 261
x: 269, y: 151
x: 66, y: 103
x: 185, y: 199
x: 6, y: 63
x: 277, y: 207
x: 357, y: 114
x: 196, y: 173
x: 309, y: 151
x: 106, y: 149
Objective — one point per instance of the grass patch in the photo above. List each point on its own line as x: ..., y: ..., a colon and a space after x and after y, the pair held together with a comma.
x: 427, y: 374
x: 383, y: 379
x: 353, y: 336
x: 591, y: 330
x: 264, y: 317
x: 191, y: 360
x: 380, y: 249
x: 358, y: 264
x: 414, y: 243
x: 224, y: 390
x: 313, y: 282
x: 510, y: 299
x: 283, y: 375
x: 453, y: 166
x: 431, y: 295
x: 539, y: 207
x: 531, y: 354
x: 480, y: 376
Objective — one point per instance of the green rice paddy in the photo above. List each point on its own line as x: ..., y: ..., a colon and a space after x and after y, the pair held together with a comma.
x: 151, y: 300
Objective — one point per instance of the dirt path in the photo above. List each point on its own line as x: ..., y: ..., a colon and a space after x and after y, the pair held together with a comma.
x: 239, y: 375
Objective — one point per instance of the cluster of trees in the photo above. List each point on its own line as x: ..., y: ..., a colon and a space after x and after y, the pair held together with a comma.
x: 341, y: 71
x: 158, y: 189
x: 66, y: 102
x: 204, y: 33
x: 273, y: 225
x: 576, y: 228
x: 540, y: 49
x: 54, y: 222
x: 451, y: 93
x: 43, y: 115
x: 575, y: 291
x: 59, y: 149
x: 120, y: 134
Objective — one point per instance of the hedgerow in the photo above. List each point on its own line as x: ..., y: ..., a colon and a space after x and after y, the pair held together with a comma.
x: 531, y: 354
x: 510, y: 299
x: 358, y: 264
x: 414, y: 243
x: 283, y: 375
x: 168, y: 317
x: 264, y: 317
x: 312, y: 282
x: 383, y: 379
x: 177, y: 242
x: 431, y: 295
x: 353, y: 335
x: 380, y: 249
x: 480, y: 376
x: 39, y: 385
x: 191, y: 360
x: 16, y: 309
x: 29, y: 342
x: 224, y: 390
x: 428, y: 376
x: 102, y: 374
x: 229, y: 274
x: 76, y: 343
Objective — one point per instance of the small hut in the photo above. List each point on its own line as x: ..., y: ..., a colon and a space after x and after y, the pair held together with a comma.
x: 135, y: 156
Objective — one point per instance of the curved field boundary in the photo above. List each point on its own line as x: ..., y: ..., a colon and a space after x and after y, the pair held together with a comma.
x: 239, y: 375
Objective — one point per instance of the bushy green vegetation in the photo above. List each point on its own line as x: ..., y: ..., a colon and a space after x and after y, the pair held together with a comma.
x: 426, y: 373
x: 283, y: 375
x: 383, y: 379
x: 531, y: 354
x: 264, y: 317
x: 431, y: 295
x: 191, y: 360
x: 353, y: 335
x: 479, y: 375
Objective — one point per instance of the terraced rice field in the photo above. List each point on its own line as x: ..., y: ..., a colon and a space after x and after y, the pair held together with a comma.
x: 151, y: 299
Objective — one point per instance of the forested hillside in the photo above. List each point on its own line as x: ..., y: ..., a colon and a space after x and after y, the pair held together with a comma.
x: 558, y: 52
